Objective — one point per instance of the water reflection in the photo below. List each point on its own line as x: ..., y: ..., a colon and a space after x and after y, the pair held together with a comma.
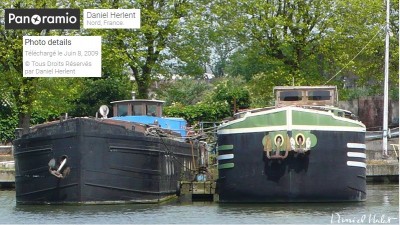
x: 290, y: 213
x: 381, y: 200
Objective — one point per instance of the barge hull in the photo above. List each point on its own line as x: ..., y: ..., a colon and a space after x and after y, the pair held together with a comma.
x: 333, y: 170
x: 105, y: 163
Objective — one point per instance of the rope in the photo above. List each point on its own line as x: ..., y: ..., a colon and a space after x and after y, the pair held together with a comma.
x: 157, y: 132
x: 168, y: 152
x: 194, y: 163
x: 345, y: 66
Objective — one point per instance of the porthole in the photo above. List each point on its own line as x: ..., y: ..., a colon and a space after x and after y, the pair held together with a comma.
x: 300, y: 140
x: 279, y: 140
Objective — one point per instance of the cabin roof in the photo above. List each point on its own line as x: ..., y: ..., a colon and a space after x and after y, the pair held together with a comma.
x: 139, y: 101
x: 305, y: 95
x: 303, y: 87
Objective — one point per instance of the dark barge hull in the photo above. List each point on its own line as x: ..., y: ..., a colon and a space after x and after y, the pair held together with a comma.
x: 319, y: 175
x: 329, y: 165
x: 108, y: 164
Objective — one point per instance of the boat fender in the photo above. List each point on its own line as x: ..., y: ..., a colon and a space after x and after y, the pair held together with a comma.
x: 178, y: 188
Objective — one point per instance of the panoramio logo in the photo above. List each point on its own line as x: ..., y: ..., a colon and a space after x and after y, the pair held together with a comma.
x: 42, y: 19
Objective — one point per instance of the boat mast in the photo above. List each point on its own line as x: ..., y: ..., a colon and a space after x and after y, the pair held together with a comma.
x: 386, y: 83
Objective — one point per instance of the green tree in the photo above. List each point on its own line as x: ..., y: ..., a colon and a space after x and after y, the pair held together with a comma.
x: 202, y: 111
x: 233, y: 91
x: 187, y: 91
x: 307, y: 42
x: 35, y: 100
x: 21, y: 90
x: 356, y: 31
x: 8, y: 120
x: 100, y: 91
x: 271, y: 31
x: 143, y: 49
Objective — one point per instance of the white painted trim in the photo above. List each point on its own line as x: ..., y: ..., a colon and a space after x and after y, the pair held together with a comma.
x: 226, y: 156
x: 289, y: 119
x: 293, y: 127
x: 356, y: 145
x: 251, y: 130
x: 357, y: 154
x: 356, y: 164
x: 269, y: 111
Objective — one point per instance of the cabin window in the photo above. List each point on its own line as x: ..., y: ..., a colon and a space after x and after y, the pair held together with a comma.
x: 122, y: 110
x: 137, y: 110
x: 151, y: 110
x: 319, y: 95
x: 290, y: 96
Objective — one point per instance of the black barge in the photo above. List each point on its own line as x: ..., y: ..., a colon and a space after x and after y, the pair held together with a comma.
x: 137, y: 156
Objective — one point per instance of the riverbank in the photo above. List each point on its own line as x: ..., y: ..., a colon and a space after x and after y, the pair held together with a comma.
x: 7, y: 171
x: 382, y: 168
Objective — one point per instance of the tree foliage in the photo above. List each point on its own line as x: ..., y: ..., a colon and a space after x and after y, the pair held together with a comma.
x: 21, y: 92
x: 232, y: 91
x: 250, y: 46
x: 307, y: 42
x: 99, y: 91
x: 35, y: 100
x: 8, y: 121
x: 142, y: 50
x: 201, y: 111
x: 186, y: 91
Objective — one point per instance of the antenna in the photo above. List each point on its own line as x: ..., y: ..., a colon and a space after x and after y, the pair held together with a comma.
x: 104, y: 110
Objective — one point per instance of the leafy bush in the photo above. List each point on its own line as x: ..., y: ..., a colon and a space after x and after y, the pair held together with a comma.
x: 232, y: 91
x: 8, y: 123
x: 186, y: 91
x: 199, y: 112
x: 97, y: 92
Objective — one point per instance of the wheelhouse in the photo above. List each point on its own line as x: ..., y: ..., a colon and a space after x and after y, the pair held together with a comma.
x: 306, y: 95
x: 138, y: 107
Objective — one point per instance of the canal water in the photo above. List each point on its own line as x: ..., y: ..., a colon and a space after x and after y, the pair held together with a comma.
x: 382, y: 206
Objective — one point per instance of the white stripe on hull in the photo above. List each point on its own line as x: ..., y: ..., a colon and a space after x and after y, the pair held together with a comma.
x: 356, y: 145
x: 226, y: 156
x: 356, y: 164
x: 357, y: 155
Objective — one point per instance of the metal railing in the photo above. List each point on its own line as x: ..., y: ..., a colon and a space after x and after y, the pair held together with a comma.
x: 373, y: 135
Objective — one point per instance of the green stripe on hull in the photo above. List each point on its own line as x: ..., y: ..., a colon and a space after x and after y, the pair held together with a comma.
x: 291, y: 118
x: 271, y: 119
x: 225, y: 147
x: 226, y: 166
x: 316, y: 119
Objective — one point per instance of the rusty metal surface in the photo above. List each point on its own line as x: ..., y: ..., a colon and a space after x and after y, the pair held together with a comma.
x: 370, y: 112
